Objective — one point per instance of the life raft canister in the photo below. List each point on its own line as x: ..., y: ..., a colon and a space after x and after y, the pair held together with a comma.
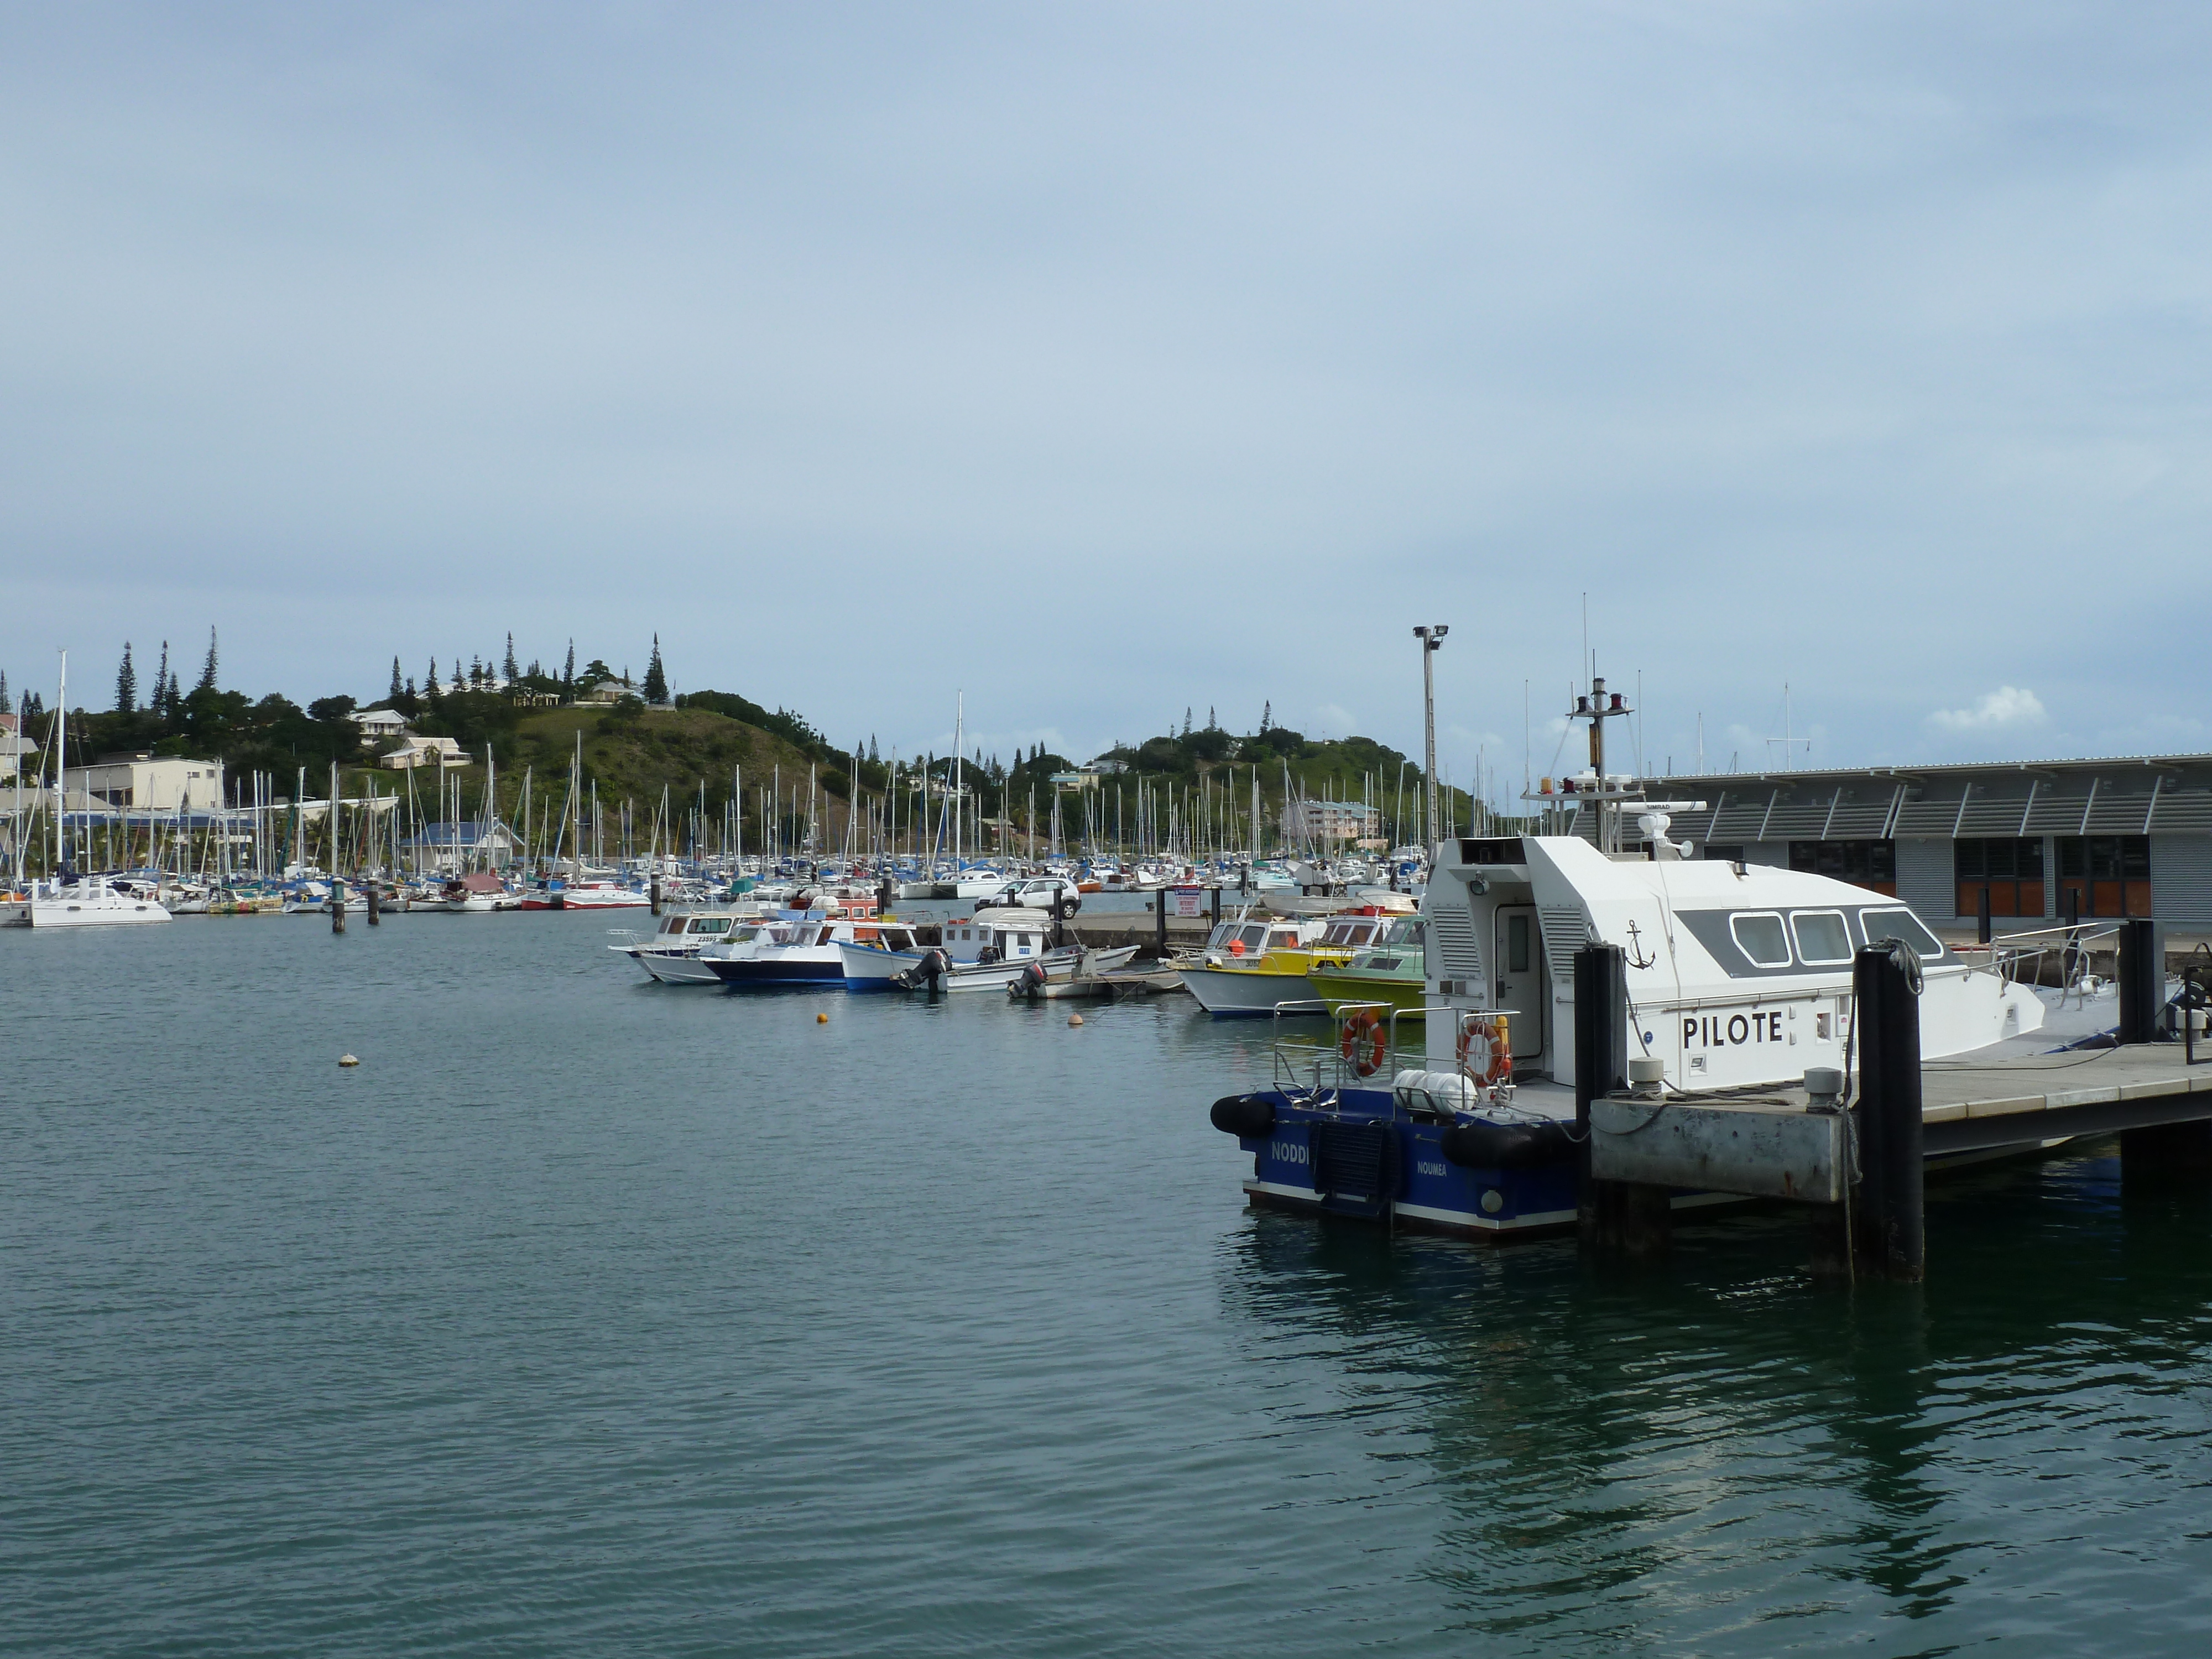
x: 1486, y: 1047
x: 1363, y: 1041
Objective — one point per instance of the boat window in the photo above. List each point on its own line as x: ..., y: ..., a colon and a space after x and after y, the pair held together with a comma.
x: 1285, y: 938
x: 677, y: 925
x: 1822, y: 937
x: 1758, y: 935
x: 1255, y: 937
x: 1022, y: 939
x: 711, y: 924
x: 1900, y: 923
x: 1516, y: 942
x: 824, y: 937
x: 1407, y: 933
x: 1221, y: 936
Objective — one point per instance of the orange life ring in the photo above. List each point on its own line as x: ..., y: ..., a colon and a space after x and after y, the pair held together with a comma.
x: 1235, y: 947
x: 1363, y: 1041
x: 1486, y: 1047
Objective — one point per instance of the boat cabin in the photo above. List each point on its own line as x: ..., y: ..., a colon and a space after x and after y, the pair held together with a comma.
x: 999, y: 936
x: 1736, y: 975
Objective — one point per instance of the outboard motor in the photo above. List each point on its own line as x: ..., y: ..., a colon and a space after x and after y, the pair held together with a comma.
x: 1031, y: 984
x: 924, y: 973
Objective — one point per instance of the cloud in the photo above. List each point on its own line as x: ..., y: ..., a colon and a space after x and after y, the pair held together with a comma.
x: 1335, y: 720
x: 2007, y: 708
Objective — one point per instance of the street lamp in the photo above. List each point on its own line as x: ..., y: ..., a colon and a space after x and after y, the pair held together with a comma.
x: 1432, y: 640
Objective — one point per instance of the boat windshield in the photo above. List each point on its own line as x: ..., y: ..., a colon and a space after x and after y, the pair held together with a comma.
x: 710, y: 924
x: 1406, y: 933
x: 1348, y: 933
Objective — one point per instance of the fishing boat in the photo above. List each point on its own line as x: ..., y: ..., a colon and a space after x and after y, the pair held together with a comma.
x: 1248, y: 967
x: 1390, y: 973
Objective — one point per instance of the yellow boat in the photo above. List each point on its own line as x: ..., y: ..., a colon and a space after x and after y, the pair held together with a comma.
x: 1252, y: 965
x: 1394, y: 970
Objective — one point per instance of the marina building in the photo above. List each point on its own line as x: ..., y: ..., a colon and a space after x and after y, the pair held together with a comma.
x: 1331, y: 820
x: 151, y: 783
x: 2038, y: 842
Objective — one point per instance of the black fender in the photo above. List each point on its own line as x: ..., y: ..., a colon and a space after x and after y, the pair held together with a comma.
x: 1245, y: 1116
x: 1484, y: 1145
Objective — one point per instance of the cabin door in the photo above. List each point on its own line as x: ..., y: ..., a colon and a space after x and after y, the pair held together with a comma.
x: 1517, y: 950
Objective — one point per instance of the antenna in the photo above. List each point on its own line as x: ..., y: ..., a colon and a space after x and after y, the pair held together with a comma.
x: 1789, y: 742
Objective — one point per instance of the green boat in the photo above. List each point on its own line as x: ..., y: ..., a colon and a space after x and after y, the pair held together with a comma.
x: 1393, y: 970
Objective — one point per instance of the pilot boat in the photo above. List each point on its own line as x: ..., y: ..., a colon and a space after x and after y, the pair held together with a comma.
x: 1737, y: 976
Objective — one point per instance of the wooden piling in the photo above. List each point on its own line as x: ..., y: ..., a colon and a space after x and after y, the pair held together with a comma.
x: 1890, y: 1237
x: 375, y: 911
x: 655, y: 894
x: 338, y: 903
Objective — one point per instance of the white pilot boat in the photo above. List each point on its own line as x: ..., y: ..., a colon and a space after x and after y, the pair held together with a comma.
x: 1737, y: 976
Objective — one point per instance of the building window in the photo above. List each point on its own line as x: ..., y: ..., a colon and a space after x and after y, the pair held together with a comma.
x: 1862, y: 863
x: 2009, y: 871
x: 2106, y: 875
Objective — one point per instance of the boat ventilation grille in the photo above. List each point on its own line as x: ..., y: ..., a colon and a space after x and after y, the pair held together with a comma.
x: 1566, y: 931
x: 1458, y: 956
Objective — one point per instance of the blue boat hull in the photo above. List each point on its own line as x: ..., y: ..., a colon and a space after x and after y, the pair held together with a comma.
x: 1365, y: 1158
x: 768, y: 975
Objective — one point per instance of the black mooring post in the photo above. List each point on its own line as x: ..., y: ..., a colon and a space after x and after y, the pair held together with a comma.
x: 375, y: 909
x: 2142, y: 979
x: 1892, y: 1233
x: 338, y: 903
x: 1216, y: 904
x: 1982, y: 916
x: 656, y: 895
x: 1615, y: 1215
x: 1160, y: 926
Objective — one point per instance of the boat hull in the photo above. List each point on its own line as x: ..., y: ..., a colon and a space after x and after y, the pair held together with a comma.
x: 1338, y: 986
x: 1247, y: 992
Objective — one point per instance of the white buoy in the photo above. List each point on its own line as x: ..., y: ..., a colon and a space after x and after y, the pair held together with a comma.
x: 348, y: 1059
x: 1075, y: 1019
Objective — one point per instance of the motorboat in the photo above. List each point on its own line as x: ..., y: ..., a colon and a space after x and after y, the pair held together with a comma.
x: 1391, y: 972
x: 791, y: 948
x: 669, y: 954
x: 1249, y: 967
x: 1735, y: 977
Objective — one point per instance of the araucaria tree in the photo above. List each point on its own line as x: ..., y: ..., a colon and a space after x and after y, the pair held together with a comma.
x: 126, y: 685
x: 397, y: 690
x: 207, y: 669
x: 656, y: 681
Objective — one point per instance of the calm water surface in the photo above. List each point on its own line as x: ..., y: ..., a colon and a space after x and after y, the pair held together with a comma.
x: 588, y: 1317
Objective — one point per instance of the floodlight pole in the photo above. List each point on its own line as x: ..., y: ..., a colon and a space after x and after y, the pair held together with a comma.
x: 1432, y: 640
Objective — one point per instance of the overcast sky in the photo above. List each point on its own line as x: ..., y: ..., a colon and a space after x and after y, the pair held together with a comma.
x: 1108, y: 360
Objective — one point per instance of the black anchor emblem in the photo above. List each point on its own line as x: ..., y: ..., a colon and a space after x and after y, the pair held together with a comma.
x: 1635, y: 959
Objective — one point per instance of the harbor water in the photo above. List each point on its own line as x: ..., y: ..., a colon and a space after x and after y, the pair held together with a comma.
x: 591, y: 1317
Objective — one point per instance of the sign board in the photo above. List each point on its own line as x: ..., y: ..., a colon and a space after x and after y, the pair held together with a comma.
x: 1187, y: 901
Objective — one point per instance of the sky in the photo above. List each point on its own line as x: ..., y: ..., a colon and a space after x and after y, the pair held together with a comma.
x: 1096, y: 363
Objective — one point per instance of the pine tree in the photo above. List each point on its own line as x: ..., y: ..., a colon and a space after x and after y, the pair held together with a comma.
x: 430, y: 684
x: 508, y: 668
x: 411, y: 687
x: 126, y: 685
x: 176, y: 694
x: 569, y: 674
x: 1267, y: 718
x: 873, y: 758
x: 396, y: 692
x: 1186, y: 722
x: 475, y: 673
x: 656, y: 679
x: 207, y: 669
x: 1211, y: 724
x: 4, y: 708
